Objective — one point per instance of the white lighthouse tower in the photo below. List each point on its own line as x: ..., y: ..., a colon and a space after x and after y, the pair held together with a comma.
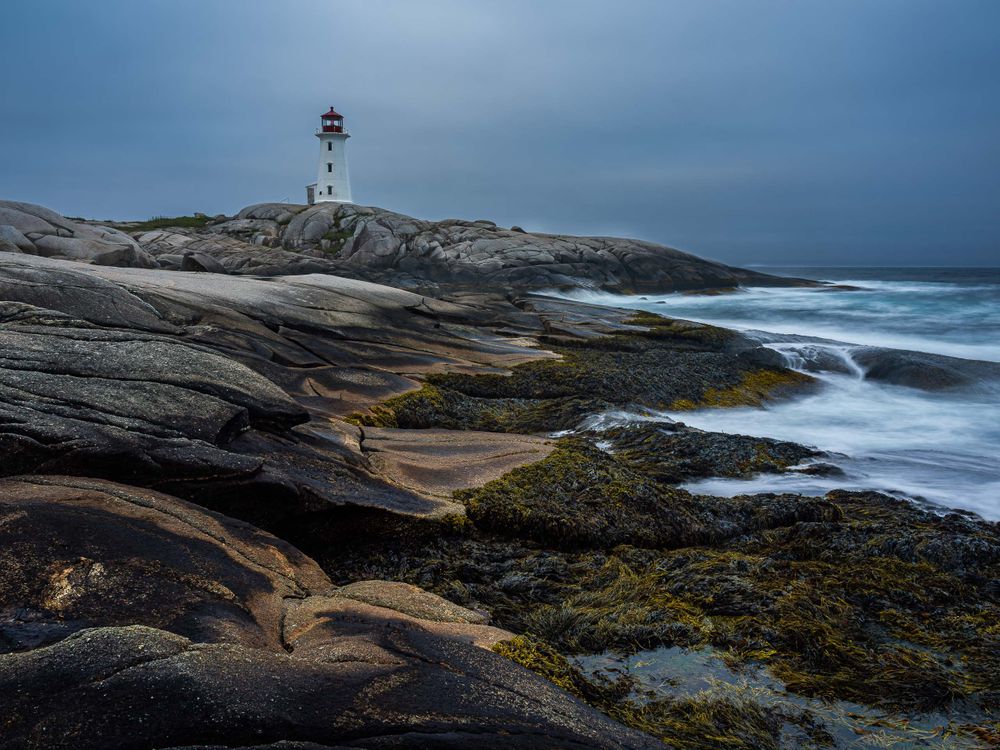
x: 334, y: 181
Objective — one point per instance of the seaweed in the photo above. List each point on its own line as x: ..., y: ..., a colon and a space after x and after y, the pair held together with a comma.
x: 852, y: 597
x: 581, y: 496
x: 722, y: 717
x: 754, y: 389
x: 666, y: 364
x: 673, y: 453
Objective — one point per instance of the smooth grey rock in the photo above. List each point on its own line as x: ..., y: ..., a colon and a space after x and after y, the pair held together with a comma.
x: 170, y: 262
x: 114, y: 235
x: 281, y: 213
x: 13, y: 236
x: 98, y: 251
x: 931, y: 372
x: 64, y: 287
x: 195, y: 261
x: 234, y: 254
x: 382, y: 246
x: 45, y: 232
x: 159, y: 238
x: 84, y: 400
x: 23, y: 221
x: 47, y: 215
x: 156, y: 377
x: 370, y: 243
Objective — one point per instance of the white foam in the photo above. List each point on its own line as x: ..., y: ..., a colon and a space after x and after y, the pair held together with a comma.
x: 935, y: 318
x: 940, y: 447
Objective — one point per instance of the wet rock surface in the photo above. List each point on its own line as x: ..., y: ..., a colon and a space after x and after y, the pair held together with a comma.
x: 929, y: 372
x: 582, y: 497
x: 132, y: 619
x: 82, y: 553
x: 673, y: 453
x: 642, y: 362
x: 232, y: 392
x: 855, y: 597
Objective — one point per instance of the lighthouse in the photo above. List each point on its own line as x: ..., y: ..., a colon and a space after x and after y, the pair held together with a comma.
x: 333, y: 183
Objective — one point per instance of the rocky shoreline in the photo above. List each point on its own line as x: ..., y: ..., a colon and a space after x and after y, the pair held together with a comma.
x: 309, y: 511
x: 364, y: 242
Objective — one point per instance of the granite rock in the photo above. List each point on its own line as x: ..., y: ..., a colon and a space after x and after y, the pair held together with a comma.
x: 232, y: 390
x: 118, y: 602
x: 195, y: 261
x: 13, y: 236
x: 387, y: 247
x: 36, y: 229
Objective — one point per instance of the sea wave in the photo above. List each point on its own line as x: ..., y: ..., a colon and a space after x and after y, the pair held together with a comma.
x: 909, y: 401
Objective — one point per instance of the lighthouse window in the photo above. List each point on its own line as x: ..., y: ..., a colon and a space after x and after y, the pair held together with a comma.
x: 329, y: 166
x: 329, y: 145
x: 329, y: 190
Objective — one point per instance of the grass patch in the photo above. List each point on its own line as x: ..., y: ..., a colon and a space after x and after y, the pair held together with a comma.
x: 162, y: 222
x: 336, y: 239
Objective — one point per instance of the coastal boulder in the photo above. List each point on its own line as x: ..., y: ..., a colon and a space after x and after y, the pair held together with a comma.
x: 345, y: 239
x: 80, y: 553
x: 386, y: 246
x: 929, y: 372
x: 36, y: 229
x: 118, y: 402
x: 12, y: 236
x: 6, y: 246
x: 117, y: 602
x: 195, y: 261
x: 229, y: 252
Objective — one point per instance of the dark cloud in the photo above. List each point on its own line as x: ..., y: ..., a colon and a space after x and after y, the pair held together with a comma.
x: 767, y: 131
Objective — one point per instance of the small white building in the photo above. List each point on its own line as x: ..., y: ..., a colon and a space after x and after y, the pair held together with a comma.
x: 333, y: 182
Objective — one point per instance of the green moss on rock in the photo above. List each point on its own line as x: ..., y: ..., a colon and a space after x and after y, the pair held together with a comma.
x: 876, y: 602
x: 542, y: 659
x: 672, y: 453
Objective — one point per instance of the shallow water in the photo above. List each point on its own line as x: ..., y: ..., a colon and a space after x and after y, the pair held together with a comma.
x: 937, y: 447
x: 679, y: 673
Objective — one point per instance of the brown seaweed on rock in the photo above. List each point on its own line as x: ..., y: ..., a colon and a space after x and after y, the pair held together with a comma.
x: 673, y: 453
x: 870, y: 600
x: 853, y: 597
x: 657, y: 363
x: 580, y: 496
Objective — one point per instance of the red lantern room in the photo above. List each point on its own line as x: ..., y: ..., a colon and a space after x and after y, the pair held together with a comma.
x: 333, y: 122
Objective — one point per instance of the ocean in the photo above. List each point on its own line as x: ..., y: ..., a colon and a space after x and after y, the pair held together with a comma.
x: 936, y: 447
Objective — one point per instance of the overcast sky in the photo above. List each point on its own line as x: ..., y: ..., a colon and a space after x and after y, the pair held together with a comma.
x: 751, y: 131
